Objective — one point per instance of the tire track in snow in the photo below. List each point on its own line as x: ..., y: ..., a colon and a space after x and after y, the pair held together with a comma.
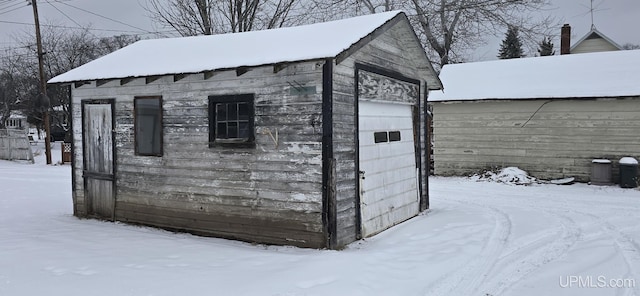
x: 629, y: 249
x: 457, y: 282
x: 519, y: 263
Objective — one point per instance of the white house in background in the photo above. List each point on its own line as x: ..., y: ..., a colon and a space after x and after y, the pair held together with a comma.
x: 550, y: 116
x: 16, y: 121
x: 593, y: 41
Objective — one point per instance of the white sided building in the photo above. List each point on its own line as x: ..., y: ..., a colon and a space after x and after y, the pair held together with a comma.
x: 550, y: 116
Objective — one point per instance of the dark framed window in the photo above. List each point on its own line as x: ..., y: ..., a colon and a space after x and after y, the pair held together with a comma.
x: 394, y: 136
x: 148, y: 125
x: 380, y: 137
x: 384, y: 137
x: 231, y: 121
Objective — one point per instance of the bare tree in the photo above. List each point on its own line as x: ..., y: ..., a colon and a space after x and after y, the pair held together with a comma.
x: 64, y: 50
x: 108, y: 45
x: 20, y: 82
x: 207, y: 17
x: 323, y: 10
x: 451, y: 29
x: 8, y: 97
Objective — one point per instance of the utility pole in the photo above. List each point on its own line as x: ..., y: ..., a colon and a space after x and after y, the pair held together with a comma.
x: 44, y: 100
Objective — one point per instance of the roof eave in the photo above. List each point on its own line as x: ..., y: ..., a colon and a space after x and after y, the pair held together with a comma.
x: 190, y: 73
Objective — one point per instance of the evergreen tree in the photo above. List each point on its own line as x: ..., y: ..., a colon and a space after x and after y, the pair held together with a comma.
x: 511, y: 46
x: 545, y: 47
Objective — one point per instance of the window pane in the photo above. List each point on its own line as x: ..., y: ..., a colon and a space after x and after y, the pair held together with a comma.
x: 380, y: 137
x: 243, y: 111
x: 244, y: 130
x: 145, y: 134
x: 394, y: 136
x: 232, y: 111
x: 231, y: 121
x: 221, y: 112
x: 148, y: 131
x: 221, y: 131
x: 232, y: 131
x: 148, y: 103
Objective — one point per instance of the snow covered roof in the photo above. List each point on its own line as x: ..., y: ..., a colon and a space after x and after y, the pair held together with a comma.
x: 225, y: 51
x: 16, y: 114
x: 587, y: 75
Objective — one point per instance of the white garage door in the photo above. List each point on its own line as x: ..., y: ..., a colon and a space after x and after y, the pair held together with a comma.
x: 388, y: 188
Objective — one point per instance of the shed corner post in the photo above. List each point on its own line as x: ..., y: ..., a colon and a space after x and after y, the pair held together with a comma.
x: 329, y: 214
x: 424, y: 202
x: 70, y: 121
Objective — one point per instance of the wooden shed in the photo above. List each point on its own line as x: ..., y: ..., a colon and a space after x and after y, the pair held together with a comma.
x: 311, y: 136
x: 550, y: 116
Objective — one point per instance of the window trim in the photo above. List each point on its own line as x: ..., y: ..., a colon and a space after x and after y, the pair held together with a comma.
x: 234, y: 142
x: 135, y: 126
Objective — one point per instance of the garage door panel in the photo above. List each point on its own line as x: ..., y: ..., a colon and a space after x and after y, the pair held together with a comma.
x: 383, y: 180
x: 369, y: 108
x: 406, y: 175
x: 398, y: 162
x: 369, y: 153
x: 374, y: 124
x: 389, y: 164
x: 395, y: 215
x: 390, y: 180
x: 396, y: 195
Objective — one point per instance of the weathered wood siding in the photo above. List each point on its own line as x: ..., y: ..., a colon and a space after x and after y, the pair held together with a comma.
x: 271, y: 193
x: 395, y: 50
x: 560, y: 140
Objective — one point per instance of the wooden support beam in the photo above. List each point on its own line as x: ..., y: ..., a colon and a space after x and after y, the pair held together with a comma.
x: 240, y: 71
x: 279, y: 67
x: 80, y: 83
x: 178, y: 77
x: 150, y: 79
x: 124, y: 81
x: 101, y: 82
x: 209, y: 74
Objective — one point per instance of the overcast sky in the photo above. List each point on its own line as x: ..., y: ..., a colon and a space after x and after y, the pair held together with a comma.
x: 618, y: 19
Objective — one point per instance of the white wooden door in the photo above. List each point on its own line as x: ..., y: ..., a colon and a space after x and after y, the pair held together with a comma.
x: 387, y: 164
x: 98, y: 158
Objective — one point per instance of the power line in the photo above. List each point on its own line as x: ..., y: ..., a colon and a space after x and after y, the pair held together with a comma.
x: 71, y: 27
x: 61, y: 12
x: 5, y: 4
x: 10, y: 4
x: 7, y: 9
x: 72, y: 20
x: 104, y: 17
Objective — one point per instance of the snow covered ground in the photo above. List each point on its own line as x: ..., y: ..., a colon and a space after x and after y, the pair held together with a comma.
x: 479, y: 238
